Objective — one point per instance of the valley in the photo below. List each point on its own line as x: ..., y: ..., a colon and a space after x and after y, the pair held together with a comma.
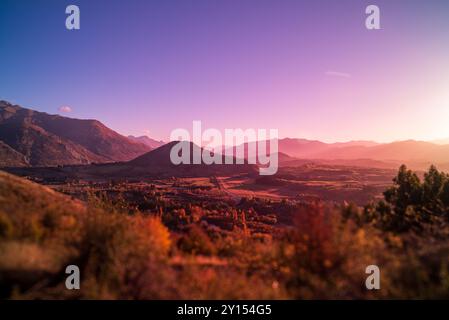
x: 99, y: 196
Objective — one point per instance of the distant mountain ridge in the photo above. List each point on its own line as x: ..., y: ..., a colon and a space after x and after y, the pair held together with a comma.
x: 152, y: 143
x: 441, y: 141
x: 409, y: 150
x: 419, y: 154
x: 304, y: 148
x: 49, y: 140
x: 32, y: 138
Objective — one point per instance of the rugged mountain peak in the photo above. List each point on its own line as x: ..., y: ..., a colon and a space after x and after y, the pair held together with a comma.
x: 48, y: 140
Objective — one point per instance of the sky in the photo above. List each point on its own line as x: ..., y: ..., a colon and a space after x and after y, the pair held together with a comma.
x: 310, y: 68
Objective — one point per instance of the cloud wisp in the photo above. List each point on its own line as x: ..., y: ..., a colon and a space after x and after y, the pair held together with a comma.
x: 337, y: 74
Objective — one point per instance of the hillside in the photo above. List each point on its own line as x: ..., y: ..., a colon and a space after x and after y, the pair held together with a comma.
x: 49, y: 140
x: 20, y: 198
x: 158, y: 161
x: 155, y: 163
x: 10, y: 157
x: 152, y: 143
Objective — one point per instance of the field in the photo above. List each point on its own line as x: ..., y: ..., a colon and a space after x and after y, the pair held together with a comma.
x: 311, y: 181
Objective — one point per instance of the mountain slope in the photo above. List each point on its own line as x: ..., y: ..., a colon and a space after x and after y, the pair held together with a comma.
x: 31, y: 214
x: 10, y: 157
x: 20, y: 198
x: 48, y: 140
x: 153, y: 144
x: 155, y: 163
x: 158, y: 161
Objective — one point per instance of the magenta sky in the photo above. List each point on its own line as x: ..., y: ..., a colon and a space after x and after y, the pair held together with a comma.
x: 308, y: 68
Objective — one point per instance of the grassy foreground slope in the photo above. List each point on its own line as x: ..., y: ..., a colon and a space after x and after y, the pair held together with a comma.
x: 120, y: 255
x: 31, y: 218
x: 178, y: 253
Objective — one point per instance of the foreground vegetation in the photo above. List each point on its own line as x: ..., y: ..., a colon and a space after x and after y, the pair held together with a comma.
x: 163, y: 248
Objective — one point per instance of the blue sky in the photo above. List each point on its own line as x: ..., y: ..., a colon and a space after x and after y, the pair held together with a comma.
x: 307, y: 68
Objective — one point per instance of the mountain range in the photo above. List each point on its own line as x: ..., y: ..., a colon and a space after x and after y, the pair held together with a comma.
x: 417, y: 154
x: 29, y: 137
x: 152, y: 143
x: 32, y: 138
x: 155, y: 163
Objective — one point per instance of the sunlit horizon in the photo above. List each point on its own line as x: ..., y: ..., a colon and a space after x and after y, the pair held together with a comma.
x: 309, y: 69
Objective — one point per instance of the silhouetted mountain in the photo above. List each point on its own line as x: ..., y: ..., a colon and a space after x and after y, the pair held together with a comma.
x: 158, y: 161
x: 153, y: 144
x: 48, y: 140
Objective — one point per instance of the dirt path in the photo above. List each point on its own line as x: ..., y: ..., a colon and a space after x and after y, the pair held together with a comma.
x: 222, y: 187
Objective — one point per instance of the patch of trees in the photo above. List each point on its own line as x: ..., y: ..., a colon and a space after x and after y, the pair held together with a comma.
x: 410, y: 204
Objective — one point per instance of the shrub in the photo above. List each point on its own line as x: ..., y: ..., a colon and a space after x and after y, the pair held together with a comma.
x: 6, y: 226
x: 411, y: 204
x: 115, y: 249
x: 325, y: 256
x: 196, y: 241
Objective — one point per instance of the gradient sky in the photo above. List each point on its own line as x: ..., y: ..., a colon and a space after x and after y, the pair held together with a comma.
x: 309, y: 68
